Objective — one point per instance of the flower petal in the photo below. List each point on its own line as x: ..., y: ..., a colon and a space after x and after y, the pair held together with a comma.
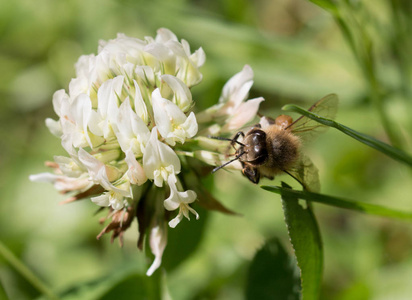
x: 179, y: 200
x: 190, y: 125
x: 182, y: 96
x: 244, y: 114
x: 102, y: 200
x: 237, y: 88
x: 54, y: 127
x: 131, y: 131
x: 135, y: 172
x: 139, y: 105
x: 62, y: 183
x: 157, y: 241
x: 172, y: 123
x: 159, y: 160
x: 146, y: 74
x: 60, y: 98
x: 164, y: 35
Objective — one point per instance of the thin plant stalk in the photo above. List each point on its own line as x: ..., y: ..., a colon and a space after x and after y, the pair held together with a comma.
x: 368, y: 68
x: 361, y: 49
x: 26, y: 272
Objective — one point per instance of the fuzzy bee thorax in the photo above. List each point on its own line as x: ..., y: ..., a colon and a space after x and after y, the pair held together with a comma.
x: 282, y: 147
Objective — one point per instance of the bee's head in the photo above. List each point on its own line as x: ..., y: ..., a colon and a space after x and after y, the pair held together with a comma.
x: 239, y: 152
x: 255, y: 149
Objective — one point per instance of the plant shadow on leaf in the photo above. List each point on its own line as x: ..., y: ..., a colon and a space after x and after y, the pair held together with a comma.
x: 119, y: 285
x: 273, y: 274
x: 183, y: 240
x: 132, y: 286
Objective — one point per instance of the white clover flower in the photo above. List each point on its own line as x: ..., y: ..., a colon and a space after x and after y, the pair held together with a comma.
x: 60, y: 98
x: 233, y: 111
x: 113, y: 105
x: 181, y: 93
x: 127, y: 121
x: 103, y: 120
x: 131, y: 131
x: 181, y: 201
x: 236, y: 90
x: 74, y: 119
x: 123, y: 45
x: 105, y: 175
x: 135, y: 171
x: 159, y: 160
x: 139, y: 104
x: 172, y: 123
x: 63, y: 183
x: 69, y: 166
x: 146, y: 75
x: 85, y: 76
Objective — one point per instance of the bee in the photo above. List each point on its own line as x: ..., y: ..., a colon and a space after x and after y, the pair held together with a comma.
x: 273, y: 146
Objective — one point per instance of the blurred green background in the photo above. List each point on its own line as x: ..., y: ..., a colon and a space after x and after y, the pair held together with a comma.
x: 298, y: 54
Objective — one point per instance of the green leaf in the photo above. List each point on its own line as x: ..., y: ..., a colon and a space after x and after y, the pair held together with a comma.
x: 273, y: 274
x: 361, y: 137
x: 326, y: 5
x: 3, y: 294
x: 366, y: 208
x: 306, y: 241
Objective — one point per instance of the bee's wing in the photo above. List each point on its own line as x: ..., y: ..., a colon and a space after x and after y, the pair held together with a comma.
x: 306, y: 128
x: 306, y: 173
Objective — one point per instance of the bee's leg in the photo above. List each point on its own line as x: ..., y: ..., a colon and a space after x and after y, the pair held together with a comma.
x: 251, y: 173
x: 236, y: 137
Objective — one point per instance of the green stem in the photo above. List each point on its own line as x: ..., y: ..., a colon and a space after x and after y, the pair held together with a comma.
x: 26, y: 272
x: 364, y: 56
x: 377, y: 98
x: 401, y: 45
x: 186, y: 153
x: 362, y: 207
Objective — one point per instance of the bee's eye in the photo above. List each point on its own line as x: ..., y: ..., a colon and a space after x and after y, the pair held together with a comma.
x: 258, y: 137
x: 258, y: 154
x: 258, y: 148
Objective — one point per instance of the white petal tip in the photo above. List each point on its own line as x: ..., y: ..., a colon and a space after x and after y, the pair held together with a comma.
x: 172, y: 224
x: 155, y: 265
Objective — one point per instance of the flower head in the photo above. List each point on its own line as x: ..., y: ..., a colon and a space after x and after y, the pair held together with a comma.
x: 127, y: 121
